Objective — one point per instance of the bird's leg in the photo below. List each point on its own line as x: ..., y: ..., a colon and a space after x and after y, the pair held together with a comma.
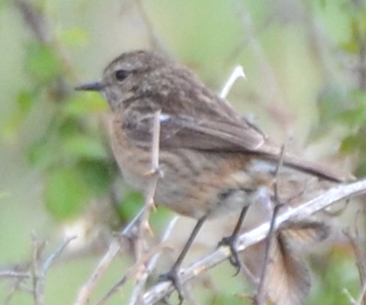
x: 172, y: 274
x: 231, y: 240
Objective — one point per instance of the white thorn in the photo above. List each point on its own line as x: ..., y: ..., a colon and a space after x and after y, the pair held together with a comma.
x: 238, y: 72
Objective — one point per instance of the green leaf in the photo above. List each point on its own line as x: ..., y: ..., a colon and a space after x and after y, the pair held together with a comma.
x: 99, y: 175
x: 83, y: 104
x: 42, y: 62
x: 65, y: 193
x: 331, y: 102
x: 42, y: 153
x: 84, y: 147
x: 75, y: 37
x: 353, y: 117
x: 131, y: 204
x: 25, y: 100
x: 349, y: 144
x: 351, y: 47
x: 133, y: 201
x: 361, y: 168
x: 69, y: 126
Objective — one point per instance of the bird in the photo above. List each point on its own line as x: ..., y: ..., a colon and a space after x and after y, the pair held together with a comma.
x: 212, y: 160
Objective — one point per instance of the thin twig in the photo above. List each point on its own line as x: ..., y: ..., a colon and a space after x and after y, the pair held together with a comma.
x: 137, y: 293
x: 272, y: 89
x: 153, y: 174
x: 39, y: 269
x: 237, y: 73
x: 149, y: 205
x: 260, y: 295
x: 37, y: 21
x: 106, y: 260
x: 89, y: 285
x: 140, y: 222
x: 277, y: 174
x: 259, y: 298
x: 112, y: 290
x: 360, y: 259
x: 37, y: 276
x: 301, y: 212
x: 52, y: 258
x: 153, y: 37
x: 113, y: 249
x: 349, y: 296
x: 14, y: 274
x: 133, y: 269
x: 361, y: 297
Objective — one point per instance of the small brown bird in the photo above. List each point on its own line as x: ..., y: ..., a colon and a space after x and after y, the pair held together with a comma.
x: 212, y: 161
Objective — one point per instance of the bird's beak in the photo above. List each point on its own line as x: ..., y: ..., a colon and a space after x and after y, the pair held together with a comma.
x: 95, y: 86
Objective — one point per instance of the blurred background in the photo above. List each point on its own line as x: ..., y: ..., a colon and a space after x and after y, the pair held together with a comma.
x: 305, y: 64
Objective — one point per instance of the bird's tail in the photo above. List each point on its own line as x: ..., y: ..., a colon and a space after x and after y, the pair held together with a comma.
x: 312, y: 168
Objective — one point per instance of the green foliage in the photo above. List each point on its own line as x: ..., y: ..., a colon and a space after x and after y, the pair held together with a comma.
x: 83, y: 147
x: 4, y: 3
x: 68, y: 149
x: 130, y: 204
x: 87, y: 104
x: 24, y: 101
x: 73, y: 144
x: 74, y: 37
x: 65, y: 192
x: 336, y: 273
x: 71, y: 152
x: 42, y: 62
x: 98, y: 175
x: 342, y: 104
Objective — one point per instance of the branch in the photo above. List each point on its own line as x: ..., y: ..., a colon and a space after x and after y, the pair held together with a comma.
x: 160, y: 290
x: 139, y: 223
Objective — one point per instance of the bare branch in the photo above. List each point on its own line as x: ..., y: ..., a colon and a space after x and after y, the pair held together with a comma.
x: 37, y: 276
x: 360, y: 260
x: 14, y: 274
x: 88, y: 287
x: 53, y: 257
x: 261, y: 290
x: 138, y: 290
x: 154, y: 174
x: 153, y: 37
x: 361, y: 297
x: 237, y: 73
x: 333, y: 195
x: 139, y: 223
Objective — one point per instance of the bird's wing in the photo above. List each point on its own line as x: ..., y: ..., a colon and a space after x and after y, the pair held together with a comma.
x: 181, y: 131
x: 215, y: 135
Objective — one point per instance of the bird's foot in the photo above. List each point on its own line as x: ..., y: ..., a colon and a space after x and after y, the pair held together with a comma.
x: 234, y: 259
x: 172, y: 276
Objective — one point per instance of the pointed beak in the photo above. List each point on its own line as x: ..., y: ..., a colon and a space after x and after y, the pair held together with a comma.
x: 95, y: 86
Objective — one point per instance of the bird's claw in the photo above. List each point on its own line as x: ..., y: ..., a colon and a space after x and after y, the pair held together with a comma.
x: 234, y: 260
x: 172, y: 276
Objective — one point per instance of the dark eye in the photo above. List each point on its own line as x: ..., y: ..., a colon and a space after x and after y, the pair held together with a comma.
x: 121, y: 75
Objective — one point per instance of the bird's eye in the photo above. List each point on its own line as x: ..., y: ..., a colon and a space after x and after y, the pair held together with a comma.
x: 121, y: 75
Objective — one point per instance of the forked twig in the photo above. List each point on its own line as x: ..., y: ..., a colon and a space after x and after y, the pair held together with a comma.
x: 259, y: 297
x: 153, y: 174
x: 237, y: 73
x: 360, y: 260
x: 252, y: 237
x: 137, y: 293
x: 140, y: 221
